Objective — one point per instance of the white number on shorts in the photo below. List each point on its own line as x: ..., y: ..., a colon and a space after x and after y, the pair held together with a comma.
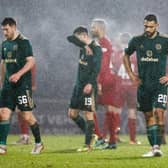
x: 162, y: 98
x: 22, y: 99
x: 88, y: 101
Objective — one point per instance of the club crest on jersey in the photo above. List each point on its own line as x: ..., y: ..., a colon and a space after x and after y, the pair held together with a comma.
x: 15, y: 47
x: 158, y: 46
x: 149, y: 53
x: 4, y: 49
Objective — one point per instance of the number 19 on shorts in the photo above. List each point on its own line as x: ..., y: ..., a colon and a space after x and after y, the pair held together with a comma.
x: 88, y: 101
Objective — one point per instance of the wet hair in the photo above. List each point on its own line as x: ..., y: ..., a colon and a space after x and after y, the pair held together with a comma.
x: 8, y: 21
x: 80, y: 29
x: 151, y: 17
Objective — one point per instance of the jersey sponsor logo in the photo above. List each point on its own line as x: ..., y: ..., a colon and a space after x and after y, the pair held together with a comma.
x: 83, y: 62
x: 158, y: 46
x: 149, y: 57
x: 143, y: 59
x: 10, y: 61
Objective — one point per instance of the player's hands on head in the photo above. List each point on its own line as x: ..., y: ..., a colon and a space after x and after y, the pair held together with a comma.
x: 14, y: 78
x: 87, y: 89
x: 164, y: 80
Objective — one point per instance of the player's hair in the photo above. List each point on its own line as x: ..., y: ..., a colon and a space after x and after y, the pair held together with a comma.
x: 100, y: 22
x: 80, y: 29
x: 151, y: 17
x: 8, y: 21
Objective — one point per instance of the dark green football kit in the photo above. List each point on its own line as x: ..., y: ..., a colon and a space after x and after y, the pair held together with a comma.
x: 88, y: 69
x: 14, y: 54
x: 152, y: 61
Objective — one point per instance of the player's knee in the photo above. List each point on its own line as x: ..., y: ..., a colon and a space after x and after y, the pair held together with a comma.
x: 72, y: 114
x: 5, y: 114
x: 89, y: 115
x: 159, y: 115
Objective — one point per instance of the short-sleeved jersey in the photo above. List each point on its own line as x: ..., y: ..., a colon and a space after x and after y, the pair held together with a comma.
x: 14, y: 54
x: 89, y: 65
x: 151, y: 58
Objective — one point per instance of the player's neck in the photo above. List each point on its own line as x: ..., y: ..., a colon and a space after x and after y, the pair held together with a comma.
x: 101, y: 35
x: 15, y: 35
x: 154, y: 35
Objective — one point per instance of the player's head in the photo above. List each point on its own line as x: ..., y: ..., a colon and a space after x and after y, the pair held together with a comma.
x: 150, y: 25
x: 98, y: 28
x: 8, y: 27
x: 81, y: 32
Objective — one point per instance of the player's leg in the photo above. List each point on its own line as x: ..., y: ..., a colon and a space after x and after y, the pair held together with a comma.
x: 24, y: 129
x: 77, y: 118
x: 6, y: 107
x: 96, y: 126
x: 89, y: 129
x: 74, y: 106
x: 29, y: 117
x: 112, y: 125
x: 25, y: 104
x: 4, y: 128
x: 132, y: 125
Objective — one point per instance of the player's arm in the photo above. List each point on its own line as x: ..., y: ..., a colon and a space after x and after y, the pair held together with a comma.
x: 33, y: 72
x: 97, y: 54
x: 164, y: 79
x: 30, y: 61
x: 2, y: 72
x: 127, y: 63
x: 77, y: 42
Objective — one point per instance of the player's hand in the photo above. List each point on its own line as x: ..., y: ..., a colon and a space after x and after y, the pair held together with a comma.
x: 164, y: 80
x: 14, y: 78
x: 135, y: 79
x: 87, y: 89
x: 99, y: 89
x: 88, y: 50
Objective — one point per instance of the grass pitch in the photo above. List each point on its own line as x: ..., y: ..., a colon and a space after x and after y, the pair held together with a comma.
x: 60, y: 152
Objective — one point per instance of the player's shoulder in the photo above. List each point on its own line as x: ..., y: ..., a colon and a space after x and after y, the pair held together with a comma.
x: 22, y: 37
x: 163, y: 35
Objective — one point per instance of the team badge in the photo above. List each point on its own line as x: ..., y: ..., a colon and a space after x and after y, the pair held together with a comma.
x: 158, y: 46
x: 4, y: 49
x: 15, y: 47
x: 9, y: 54
x: 149, y: 53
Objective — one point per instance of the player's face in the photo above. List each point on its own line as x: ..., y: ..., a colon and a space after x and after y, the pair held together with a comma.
x: 94, y: 30
x: 81, y: 37
x: 9, y: 31
x: 150, y: 28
